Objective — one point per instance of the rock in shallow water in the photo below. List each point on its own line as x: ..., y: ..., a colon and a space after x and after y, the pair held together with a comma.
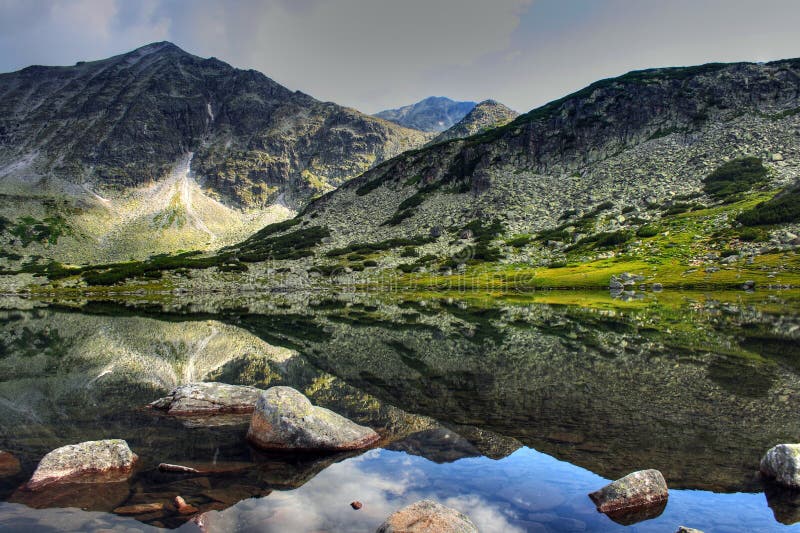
x: 782, y: 463
x: 208, y: 398
x: 639, y: 489
x: 427, y: 516
x: 100, y: 461
x: 284, y: 419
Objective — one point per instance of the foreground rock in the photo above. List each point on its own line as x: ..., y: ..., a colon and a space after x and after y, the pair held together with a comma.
x: 100, y: 461
x: 782, y: 463
x: 644, y: 488
x: 208, y: 398
x: 9, y: 465
x: 284, y: 419
x: 427, y: 516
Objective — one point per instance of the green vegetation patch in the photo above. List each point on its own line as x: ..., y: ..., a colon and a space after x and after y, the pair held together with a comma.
x: 783, y: 208
x: 28, y: 229
x: 734, y: 177
x: 372, y: 247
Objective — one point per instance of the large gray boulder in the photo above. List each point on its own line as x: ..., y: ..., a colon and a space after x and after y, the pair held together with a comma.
x: 427, y: 516
x: 99, y: 461
x: 284, y: 419
x: 639, y: 489
x: 782, y: 463
x: 208, y: 398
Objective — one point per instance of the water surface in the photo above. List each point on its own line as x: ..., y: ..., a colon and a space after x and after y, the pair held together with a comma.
x: 510, y: 409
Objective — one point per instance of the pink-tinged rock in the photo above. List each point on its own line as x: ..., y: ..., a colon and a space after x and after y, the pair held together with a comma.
x: 100, y: 461
x: 284, y: 419
x: 427, y: 516
x: 208, y: 399
x: 640, y: 489
x: 9, y: 465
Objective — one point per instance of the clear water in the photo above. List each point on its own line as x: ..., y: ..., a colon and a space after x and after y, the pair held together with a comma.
x: 510, y: 410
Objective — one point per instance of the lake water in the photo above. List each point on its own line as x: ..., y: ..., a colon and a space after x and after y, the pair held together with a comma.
x: 511, y: 409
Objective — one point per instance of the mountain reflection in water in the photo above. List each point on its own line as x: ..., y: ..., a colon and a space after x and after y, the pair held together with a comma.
x: 510, y: 410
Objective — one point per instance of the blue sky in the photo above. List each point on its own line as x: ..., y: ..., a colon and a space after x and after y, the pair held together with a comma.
x: 374, y: 54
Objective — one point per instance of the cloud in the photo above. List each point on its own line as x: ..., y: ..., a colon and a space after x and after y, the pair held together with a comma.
x: 376, y: 54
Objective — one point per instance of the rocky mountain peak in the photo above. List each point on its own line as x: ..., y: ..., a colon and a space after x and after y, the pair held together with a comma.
x: 484, y: 116
x: 432, y: 114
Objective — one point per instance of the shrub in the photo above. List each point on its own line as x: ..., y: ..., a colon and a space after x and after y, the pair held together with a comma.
x: 647, y: 231
x: 409, y: 251
x: 370, y: 263
x: 520, y: 241
x: 753, y: 235
x: 783, y: 208
x: 737, y: 176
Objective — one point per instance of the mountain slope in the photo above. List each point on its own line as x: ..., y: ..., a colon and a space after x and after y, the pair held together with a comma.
x: 686, y: 176
x: 645, y: 138
x: 101, y: 133
x: 484, y: 116
x: 433, y: 114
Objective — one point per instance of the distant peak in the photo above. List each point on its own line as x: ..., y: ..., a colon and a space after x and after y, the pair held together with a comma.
x: 158, y: 47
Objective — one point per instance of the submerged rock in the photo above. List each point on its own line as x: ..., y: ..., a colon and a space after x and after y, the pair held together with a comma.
x: 644, y: 488
x: 9, y: 465
x: 208, y: 398
x: 100, y: 461
x: 142, y: 508
x: 782, y: 463
x: 427, y: 516
x: 284, y: 419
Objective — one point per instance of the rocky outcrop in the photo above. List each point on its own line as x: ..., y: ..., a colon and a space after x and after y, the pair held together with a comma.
x: 684, y: 529
x: 637, y: 490
x: 484, y: 116
x: 284, y: 419
x: 427, y: 516
x: 433, y: 114
x: 782, y: 463
x: 101, y: 461
x: 208, y: 399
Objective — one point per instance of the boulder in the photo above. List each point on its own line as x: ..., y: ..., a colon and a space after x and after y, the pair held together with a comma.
x: 427, y: 516
x: 782, y: 463
x: 638, y: 489
x: 284, y: 419
x: 100, y: 461
x: 208, y: 398
x: 9, y: 465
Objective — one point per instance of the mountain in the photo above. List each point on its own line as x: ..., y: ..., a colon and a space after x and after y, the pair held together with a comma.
x: 682, y: 177
x: 484, y: 116
x: 637, y: 143
x: 157, y: 150
x: 433, y: 114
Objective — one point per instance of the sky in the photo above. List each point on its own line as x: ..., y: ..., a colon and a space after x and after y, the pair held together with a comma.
x: 378, y: 54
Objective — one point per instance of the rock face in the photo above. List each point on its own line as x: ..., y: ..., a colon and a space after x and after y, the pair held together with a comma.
x: 644, y: 488
x: 208, y: 398
x: 782, y: 463
x: 484, y: 116
x: 427, y: 516
x: 100, y: 461
x: 433, y: 114
x: 284, y: 419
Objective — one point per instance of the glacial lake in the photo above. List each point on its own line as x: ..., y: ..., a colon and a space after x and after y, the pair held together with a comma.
x: 509, y: 408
